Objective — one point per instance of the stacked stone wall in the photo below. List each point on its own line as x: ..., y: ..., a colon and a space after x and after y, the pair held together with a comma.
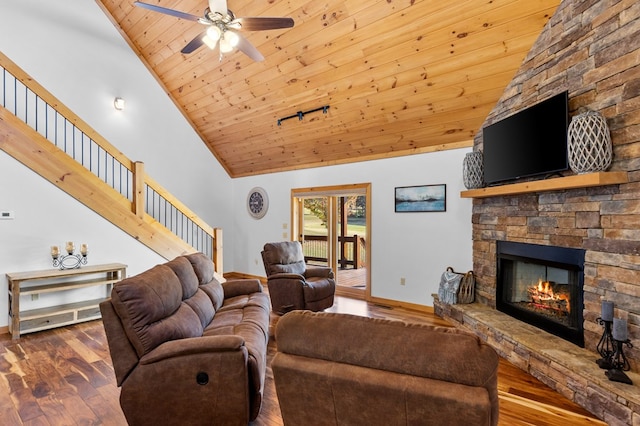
x: 591, y: 49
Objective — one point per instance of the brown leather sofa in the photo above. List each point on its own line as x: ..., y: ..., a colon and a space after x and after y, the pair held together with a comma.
x: 186, y: 349
x: 292, y: 283
x: 338, y: 369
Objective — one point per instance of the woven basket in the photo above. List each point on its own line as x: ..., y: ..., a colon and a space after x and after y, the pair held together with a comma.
x: 466, y: 292
x: 472, y: 170
x: 589, y: 143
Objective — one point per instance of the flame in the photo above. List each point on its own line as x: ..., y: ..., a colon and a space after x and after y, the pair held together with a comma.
x: 544, y: 292
x: 544, y: 289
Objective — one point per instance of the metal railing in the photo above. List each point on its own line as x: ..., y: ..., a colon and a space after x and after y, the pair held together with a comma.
x: 107, y: 164
x: 171, y: 217
x: 315, y: 249
x: 34, y: 111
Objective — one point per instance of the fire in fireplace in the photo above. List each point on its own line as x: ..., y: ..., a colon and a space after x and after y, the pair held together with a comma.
x: 546, y: 301
x: 542, y: 285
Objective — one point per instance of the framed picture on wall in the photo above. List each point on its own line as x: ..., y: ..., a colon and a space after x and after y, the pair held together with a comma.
x: 425, y: 198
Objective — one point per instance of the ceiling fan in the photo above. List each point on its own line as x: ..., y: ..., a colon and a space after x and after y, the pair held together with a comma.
x: 222, y: 28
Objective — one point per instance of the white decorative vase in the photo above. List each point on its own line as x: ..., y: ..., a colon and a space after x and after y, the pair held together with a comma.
x: 472, y: 170
x: 589, y: 143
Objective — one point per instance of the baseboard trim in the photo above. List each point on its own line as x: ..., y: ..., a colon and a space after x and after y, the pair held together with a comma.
x: 242, y: 276
x: 402, y: 305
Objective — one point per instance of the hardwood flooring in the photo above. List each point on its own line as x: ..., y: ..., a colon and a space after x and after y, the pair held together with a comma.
x: 64, y: 377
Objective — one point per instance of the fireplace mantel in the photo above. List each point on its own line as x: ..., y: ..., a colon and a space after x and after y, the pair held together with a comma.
x: 566, y: 182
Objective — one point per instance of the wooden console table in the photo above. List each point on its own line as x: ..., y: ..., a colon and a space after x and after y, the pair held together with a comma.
x: 35, y: 283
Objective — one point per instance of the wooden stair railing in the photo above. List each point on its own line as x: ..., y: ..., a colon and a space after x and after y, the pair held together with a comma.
x: 126, y: 208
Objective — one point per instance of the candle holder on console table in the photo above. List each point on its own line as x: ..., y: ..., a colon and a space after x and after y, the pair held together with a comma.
x: 70, y: 260
x: 605, y: 346
x: 620, y: 364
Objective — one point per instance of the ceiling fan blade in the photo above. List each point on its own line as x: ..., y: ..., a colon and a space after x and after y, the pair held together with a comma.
x: 176, y: 13
x: 260, y: 23
x: 194, y: 44
x: 247, y: 48
x: 219, y: 6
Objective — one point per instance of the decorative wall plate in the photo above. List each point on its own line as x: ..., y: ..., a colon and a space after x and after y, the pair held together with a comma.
x: 257, y: 202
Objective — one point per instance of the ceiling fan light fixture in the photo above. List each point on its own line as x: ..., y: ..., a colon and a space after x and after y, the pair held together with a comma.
x: 221, y: 25
x: 214, y: 33
x: 225, y: 46
x: 211, y: 44
x: 231, y: 38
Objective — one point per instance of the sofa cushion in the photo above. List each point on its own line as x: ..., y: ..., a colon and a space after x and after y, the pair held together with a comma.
x: 151, y: 309
x: 202, y: 266
x: 185, y: 273
x: 201, y: 304
x: 247, y: 316
x: 214, y: 290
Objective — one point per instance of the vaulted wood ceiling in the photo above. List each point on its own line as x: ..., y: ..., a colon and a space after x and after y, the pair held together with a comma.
x: 400, y: 76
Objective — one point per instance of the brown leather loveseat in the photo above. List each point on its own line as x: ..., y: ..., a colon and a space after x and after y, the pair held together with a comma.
x: 338, y: 369
x: 186, y: 349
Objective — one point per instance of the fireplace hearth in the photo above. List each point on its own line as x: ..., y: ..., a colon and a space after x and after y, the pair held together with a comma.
x: 542, y: 285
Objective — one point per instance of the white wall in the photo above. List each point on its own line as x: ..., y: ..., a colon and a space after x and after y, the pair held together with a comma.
x: 46, y: 216
x: 416, y: 246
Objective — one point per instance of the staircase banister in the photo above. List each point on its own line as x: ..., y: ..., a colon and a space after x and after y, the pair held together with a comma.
x: 112, y: 201
x: 178, y: 204
x: 44, y: 94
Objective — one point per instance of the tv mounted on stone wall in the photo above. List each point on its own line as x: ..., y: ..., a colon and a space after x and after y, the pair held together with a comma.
x: 531, y: 142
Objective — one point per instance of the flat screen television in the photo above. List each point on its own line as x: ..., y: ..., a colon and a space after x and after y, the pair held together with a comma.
x: 530, y: 142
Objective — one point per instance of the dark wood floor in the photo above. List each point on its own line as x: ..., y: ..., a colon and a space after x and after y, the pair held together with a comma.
x: 64, y: 377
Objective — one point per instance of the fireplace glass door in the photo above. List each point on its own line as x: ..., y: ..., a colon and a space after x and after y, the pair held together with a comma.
x: 546, y: 293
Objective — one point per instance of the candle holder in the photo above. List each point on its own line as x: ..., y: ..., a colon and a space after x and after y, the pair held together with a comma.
x: 605, y: 346
x: 70, y: 260
x: 620, y: 364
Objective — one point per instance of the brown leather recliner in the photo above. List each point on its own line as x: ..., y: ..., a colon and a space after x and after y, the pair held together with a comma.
x: 294, y: 285
x: 337, y: 369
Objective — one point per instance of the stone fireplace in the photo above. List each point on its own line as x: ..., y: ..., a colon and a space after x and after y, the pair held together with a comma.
x: 585, y: 49
x: 542, y: 285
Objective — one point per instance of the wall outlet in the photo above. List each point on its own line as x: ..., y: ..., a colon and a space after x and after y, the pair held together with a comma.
x: 402, y: 281
x: 285, y: 235
x: 285, y: 226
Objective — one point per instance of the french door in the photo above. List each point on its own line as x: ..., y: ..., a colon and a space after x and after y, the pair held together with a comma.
x: 333, y: 225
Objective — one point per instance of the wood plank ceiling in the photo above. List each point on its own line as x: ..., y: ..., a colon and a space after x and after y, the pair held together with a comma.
x: 400, y: 76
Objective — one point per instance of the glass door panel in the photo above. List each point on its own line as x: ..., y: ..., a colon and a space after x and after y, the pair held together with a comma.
x: 314, y: 228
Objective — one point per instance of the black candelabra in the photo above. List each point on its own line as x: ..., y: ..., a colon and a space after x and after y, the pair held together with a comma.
x: 619, y: 364
x: 605, y: 346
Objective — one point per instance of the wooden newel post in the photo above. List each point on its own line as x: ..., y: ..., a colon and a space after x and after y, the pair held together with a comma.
x: 138, y: 189
x: 217, y: 250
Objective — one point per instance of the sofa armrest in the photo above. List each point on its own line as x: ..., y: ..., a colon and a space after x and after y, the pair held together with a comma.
x: 200, y: 380
x: 191, y: 346
x: 234, y: 288
x: 319, y: 271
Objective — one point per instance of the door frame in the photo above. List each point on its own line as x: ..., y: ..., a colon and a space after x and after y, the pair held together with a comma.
x: 333, y: 192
